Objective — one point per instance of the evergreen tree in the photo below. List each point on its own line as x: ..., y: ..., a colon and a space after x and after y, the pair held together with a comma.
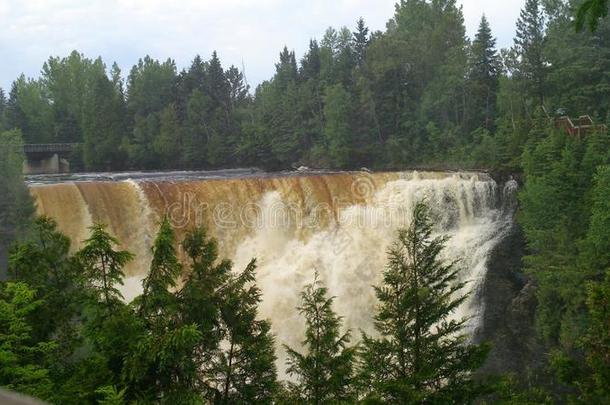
x: 422, y: 355
x: 310, y: 64
x: 596, y: 343
x: 286, y: 69
x: 44, y: 263
x: 21, y: 361
x: 244, y: 371
x: 158, y: 304
x: 161, y: 366
x: 103, y: 265
x: 29, y: 111
x: 196, y: 130
x: 103, y: 126
x: 361, y: 41
x: 337, y: 131
x: 167, y: 145
x: 590, y: 12
x: 3, y: 105
x: 529, y: 46
x: 16, y: 205
x: 201, y: 299
x: 483, y: 76
x: 325, y: 373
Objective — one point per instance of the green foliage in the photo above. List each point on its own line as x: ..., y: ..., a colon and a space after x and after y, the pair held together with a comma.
x: 157, y: 304
x: 484, y: 75
x: 244, y: 369
x: 111, y: 396
x: 418, y: 93
x: 422, y: 354
x: 16, y: 206
x: 325, y: 372
x: 529, y: 46
x: 21, y: 359
x: 337, y: 129
x: 161, y: 365
x: 103, y: 265
x: 104, y: 126
x: 596, y: 342
x: 590, y: 12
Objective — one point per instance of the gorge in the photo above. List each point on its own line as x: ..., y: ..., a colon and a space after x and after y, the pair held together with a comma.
x: 338, y: 224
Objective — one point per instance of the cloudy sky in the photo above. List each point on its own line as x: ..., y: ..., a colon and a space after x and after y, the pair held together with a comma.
x: 248, y: 32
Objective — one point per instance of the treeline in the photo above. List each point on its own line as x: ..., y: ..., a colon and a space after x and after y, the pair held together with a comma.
x: 419, y: 93
x: 565, y: 213
x: 193, y: 335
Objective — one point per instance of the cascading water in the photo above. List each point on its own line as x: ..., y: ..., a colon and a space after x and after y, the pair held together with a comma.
x: 338, y: 224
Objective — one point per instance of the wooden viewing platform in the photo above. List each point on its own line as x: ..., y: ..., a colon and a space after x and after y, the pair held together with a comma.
x: 584, y: 125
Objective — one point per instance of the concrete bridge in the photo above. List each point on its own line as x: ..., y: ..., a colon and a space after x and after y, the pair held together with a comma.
x: 47, y: 158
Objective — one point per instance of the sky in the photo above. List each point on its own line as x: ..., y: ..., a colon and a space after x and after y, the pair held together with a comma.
x: 245, y: 33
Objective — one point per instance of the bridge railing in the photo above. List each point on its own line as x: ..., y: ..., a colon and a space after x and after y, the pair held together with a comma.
x: 49, y: 147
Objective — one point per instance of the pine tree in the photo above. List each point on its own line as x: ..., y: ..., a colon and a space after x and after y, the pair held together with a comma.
x: 158, y: 304
x: 168, y: 143
x: 361, y: 41
x: 103, y: 126
x: 3, y: 105
x: 202, y: 295
x: 421, y: 355
x: 596, y: 342
x: 529, y: 45
x: 286, y: 69
x: 22, y: 360
x: 44, y: 263
x: 16, y: 204
x: 310, y: 64
x: 161, y: 366
x: 337, y: 131
x: 244, y: 371
x: 103, y: 265
x: 325, y: 373
x: 483, y: 76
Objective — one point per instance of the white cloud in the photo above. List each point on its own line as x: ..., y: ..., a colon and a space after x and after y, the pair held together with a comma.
x: 252, y: 31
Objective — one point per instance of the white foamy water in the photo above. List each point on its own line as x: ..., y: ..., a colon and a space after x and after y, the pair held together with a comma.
x: 350, y: 256
x: 338, y: 224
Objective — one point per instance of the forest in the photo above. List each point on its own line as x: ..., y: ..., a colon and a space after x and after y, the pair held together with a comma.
x: 419, y: 94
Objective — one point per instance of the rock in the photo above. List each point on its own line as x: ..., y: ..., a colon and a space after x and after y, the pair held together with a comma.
x: 303, y: 169
x: 509, y: 299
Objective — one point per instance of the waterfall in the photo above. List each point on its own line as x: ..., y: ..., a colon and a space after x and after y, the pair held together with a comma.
x: 338, y: 224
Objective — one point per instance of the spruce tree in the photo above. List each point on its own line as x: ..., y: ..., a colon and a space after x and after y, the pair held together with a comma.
x: 244, y: 370
x: 158, y: 304
x: 16, y: 204
x: 310, y: 64
x: 325, y: 372
x: 103, y: 265
x: 22, y: 359
x: 201, y: 298
x: 361, y: 41
x: 161, y: 366
x: 3, y: 105
x: 44, y: 264
x: 421, y: 354
x: 596, y: 342
x: 483, y: 76
x: 529, y: 46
